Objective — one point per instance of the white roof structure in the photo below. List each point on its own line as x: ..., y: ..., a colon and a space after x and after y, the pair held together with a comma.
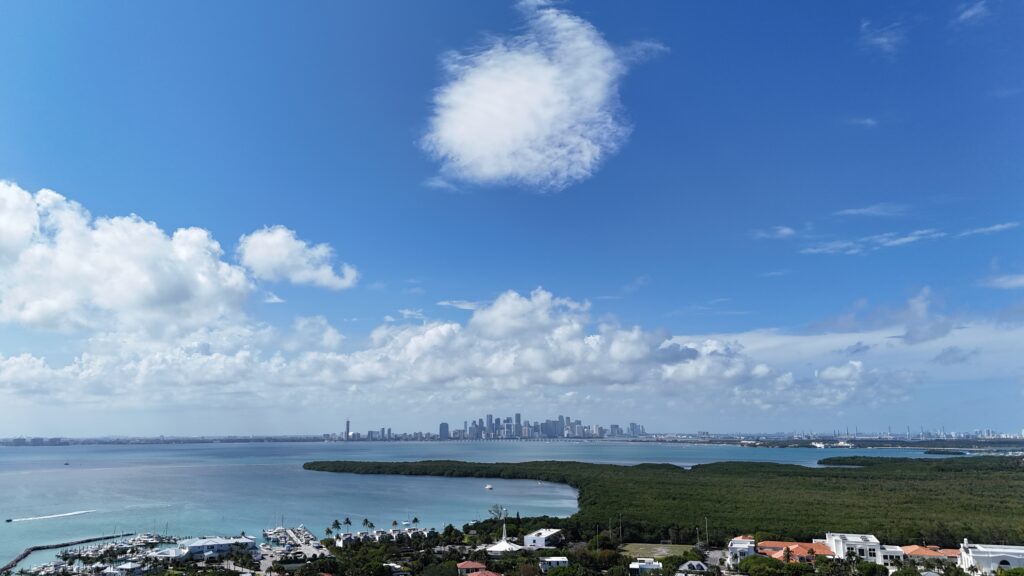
x: 503, y: 547
x: 543, y: 533
x: 554, y: 559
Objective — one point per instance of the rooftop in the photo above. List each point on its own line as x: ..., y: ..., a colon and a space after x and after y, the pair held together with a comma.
x: 543, y: 533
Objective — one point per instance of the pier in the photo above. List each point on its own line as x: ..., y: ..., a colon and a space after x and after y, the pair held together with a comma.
x: 28, y: 551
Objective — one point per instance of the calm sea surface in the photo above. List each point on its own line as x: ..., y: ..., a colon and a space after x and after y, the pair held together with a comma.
x: 221, y: 489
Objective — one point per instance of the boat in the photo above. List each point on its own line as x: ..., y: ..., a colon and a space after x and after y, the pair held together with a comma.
x: 10, y: 520
x: 488, y: 487
x: 66, y: 463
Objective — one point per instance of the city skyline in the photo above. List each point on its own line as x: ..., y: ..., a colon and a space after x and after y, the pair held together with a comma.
x: 723, y: 217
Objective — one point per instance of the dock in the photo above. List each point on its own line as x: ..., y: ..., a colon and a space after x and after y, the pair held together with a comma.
x: 28, y: 551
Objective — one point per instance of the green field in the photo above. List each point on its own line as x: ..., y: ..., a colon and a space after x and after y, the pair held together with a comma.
x: 638, y: 550
x: 902, y: 501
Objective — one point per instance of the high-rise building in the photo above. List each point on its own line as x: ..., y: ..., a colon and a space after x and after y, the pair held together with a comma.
x: 348, y: 428
x: 443, y: 431
x: 519, y: 424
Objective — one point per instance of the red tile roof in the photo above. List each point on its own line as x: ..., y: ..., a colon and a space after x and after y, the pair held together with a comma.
x: 921, y: 551
x: 470, y: 564
x: 485, y: 573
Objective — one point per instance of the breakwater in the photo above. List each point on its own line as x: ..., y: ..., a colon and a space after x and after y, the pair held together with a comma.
x: 28, y: 551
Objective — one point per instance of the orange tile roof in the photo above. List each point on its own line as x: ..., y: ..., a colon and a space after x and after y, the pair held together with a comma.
x: 485, y: 573
x: 915, y: 550
x: 950, y: 552
x: 797, y: 550
x: 469, y: 564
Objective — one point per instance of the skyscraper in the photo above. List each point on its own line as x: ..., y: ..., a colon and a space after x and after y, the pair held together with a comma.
x: 443, y: 432
x: 348, y: 428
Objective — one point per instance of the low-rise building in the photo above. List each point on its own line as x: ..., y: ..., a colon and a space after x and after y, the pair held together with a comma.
x: 860, y: 546
x: 793, y: 552
x: 891, y: 556
x: 643, y: 565
x: 989, y: 558
x: 739, y: 548
x: 469, y: 566
x: 543, y: 538
x: 216, y: 548
x: 550, y: 562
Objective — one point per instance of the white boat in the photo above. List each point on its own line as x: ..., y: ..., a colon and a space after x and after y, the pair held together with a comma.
x: 488, y: 487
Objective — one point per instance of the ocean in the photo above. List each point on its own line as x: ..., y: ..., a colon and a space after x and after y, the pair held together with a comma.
x: 225, y: 489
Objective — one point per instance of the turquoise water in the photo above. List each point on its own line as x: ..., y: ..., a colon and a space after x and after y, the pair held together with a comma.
x: 203, y: 489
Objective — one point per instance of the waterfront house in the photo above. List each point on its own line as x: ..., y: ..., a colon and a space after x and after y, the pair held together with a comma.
x: 739, y: 548
x: 485, y: 573
x: 989, y: 558
x: 543, y: 538
x: 643, y: 566
x: 469, y: 566
x: 550, y: 562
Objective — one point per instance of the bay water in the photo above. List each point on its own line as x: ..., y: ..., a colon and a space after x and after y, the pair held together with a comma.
x: 64, y: 493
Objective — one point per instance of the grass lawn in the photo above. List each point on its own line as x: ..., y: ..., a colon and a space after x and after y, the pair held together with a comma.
x: 638, y: 550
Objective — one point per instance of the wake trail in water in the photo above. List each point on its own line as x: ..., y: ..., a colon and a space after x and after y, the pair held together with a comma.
x: 66, y: 514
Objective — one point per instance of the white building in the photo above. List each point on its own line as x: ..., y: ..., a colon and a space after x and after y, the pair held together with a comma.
x: 861, y: 546
x: 643, y: 565
x: 215, y: 548
x: 892, y: 556
x: 739, y: 548
x: 543, y: 538
x: 989, y: 558
x: 553, y: 562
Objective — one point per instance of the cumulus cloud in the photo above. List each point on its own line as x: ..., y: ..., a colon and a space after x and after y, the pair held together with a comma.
x: 276, y: 253
x: 540, y: 109
x: 64, y: 269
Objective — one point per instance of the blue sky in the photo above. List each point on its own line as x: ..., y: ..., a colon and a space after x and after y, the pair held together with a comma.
x: 688, y: 214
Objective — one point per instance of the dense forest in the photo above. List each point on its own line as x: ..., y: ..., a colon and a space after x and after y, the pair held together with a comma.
x: 901, y: 500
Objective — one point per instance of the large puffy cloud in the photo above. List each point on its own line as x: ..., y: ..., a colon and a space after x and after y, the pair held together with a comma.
x: 539, y: 109
x: 276, y: 253
x: 65, y: 269
x: 520, y: 346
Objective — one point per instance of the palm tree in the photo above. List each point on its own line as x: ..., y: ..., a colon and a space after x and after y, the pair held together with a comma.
x: 327, y: 532
x: 366, y: 522
x: 394, y: 523
x: 336, y: 525
x: 347, y: 521
x: 415, y: 521
x: 370, y: 525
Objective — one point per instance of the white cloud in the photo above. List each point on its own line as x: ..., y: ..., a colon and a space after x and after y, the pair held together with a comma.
x: 65, y: 269
x: 972, y: 12
x: 540, y: 109
x: 886, y: 39
x: 1005, y: 282
x: 775, y: 233
x: 989, y: 229
x: 873, y: 242
x: 275, y: 253
x: 880, y: 209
